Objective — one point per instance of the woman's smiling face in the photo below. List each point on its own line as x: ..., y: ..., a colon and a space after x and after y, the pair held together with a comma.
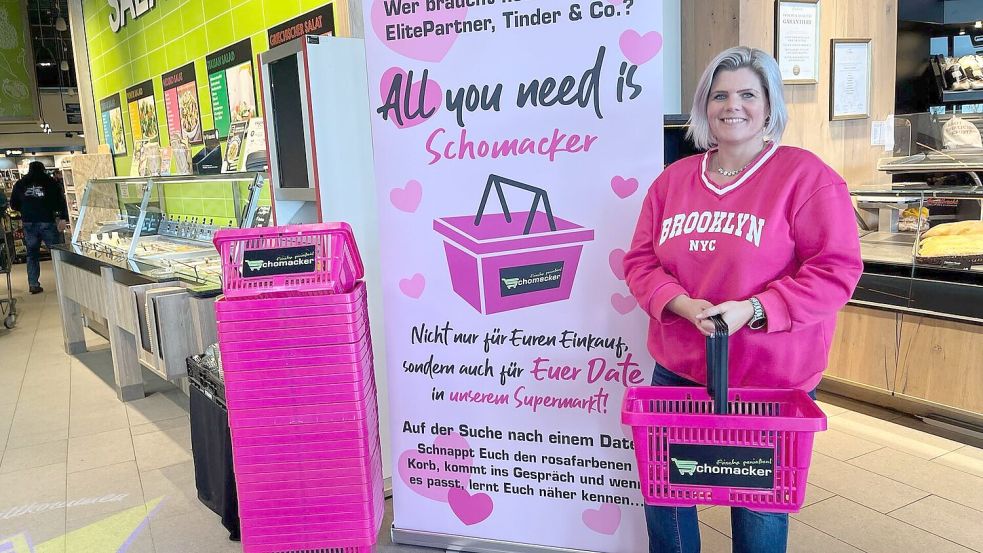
x: 737, y: 107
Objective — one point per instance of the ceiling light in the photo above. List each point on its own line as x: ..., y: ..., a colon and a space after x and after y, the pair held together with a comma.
x: 979, y: 25
x: 64, y: 65
x: 44, y: 58
x: 60, y: 24
x: 962, y: 31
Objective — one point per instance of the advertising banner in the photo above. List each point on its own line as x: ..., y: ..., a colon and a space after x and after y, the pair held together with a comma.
x: 319, y: 21
x: 231, y: 85
x: 113, y: 132
x: 181, y: 104
x: 18, y: 90
x: 514, y: 142
x: 143, y: 112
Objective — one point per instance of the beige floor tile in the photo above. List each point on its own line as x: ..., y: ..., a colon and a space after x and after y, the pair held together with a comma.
x: 28, y: 437
x: 121, y: 481
x: 864, y: 487
x: 34, y: 456
x: 47, y: 526
x: 842, y: 446
x: 161, y: 449
x: 40, y: 485
x: 871, y: 531
x: 925, y: 475
x: 803, y: 538
x: 712, y: 541
x: 99, y: 450
x: 191, y: 532
x: 158, y: 426
x: 87, y: 420
x: 944, y: 518
x: 815, y: 494
x: 176, y: 484
x: 967, y: 459
x: 136, y: 538
x: 717, y: 518
x: 154, y: 407
x: 831, y: 409
x: 892, y: 435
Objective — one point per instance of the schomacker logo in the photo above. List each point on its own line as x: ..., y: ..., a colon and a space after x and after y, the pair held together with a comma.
x: 281, y: 261
x: 530, y: 278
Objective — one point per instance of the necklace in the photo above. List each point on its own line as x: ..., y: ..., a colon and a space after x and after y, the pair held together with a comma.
x: 735, y: 172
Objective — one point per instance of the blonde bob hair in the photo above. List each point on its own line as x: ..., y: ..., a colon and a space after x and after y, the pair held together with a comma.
x: 732, y: 59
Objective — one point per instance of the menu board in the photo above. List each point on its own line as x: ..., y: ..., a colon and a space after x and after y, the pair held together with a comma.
x: 231, y: 86
x: 112, y: 124
x: 182, y: 105
x: 143, y: 112
x: 319, y: 21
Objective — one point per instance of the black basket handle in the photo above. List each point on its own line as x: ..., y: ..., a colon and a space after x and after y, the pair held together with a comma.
x: 717, y: 365
x: 496, y: 181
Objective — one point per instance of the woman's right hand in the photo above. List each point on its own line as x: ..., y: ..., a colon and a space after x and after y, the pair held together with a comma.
x: 689, y: 308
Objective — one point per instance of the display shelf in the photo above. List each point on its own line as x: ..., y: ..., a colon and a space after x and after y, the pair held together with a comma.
x: 962, y: 96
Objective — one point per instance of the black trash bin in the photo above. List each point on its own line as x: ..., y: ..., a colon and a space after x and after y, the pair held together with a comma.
x: 211, y: 442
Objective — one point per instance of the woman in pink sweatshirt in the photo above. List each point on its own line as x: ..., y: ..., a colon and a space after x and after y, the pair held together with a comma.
x: 762, y: 234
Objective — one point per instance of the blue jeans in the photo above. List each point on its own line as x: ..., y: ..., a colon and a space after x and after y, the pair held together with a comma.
x: 34, y: 234
x: 677, y: 529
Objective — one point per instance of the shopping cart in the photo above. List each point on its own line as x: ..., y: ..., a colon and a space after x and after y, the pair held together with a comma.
x: 742, y: 447
x: 8, y: 305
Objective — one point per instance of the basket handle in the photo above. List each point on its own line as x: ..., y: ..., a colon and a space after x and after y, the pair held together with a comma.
x: 717, y: 365
x: 496, y: 181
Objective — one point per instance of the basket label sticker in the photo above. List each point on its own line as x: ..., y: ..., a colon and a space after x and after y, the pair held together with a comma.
x: 279, y: 261
x: 530, y: 278
x: 730, y: 466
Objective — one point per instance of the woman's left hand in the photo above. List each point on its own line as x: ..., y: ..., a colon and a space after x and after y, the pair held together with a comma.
x: 736, y: 314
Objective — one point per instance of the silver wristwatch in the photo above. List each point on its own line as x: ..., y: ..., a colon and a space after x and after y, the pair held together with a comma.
x: 758, y: 319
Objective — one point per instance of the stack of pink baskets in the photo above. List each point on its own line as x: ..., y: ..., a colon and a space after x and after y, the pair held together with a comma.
x: 294, y: 338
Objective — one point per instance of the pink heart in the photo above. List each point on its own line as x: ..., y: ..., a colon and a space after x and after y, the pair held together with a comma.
x: 432, y: 48
x: 416, y: 469
x: 624, y: 187
x: 471, y: 509
x: 431, y: 96
x: 623, y: 304
x: 407, y: 198
x: 638, y: 48
x: 413, y: 286
x: 617, y: 261
x: 605, y: 520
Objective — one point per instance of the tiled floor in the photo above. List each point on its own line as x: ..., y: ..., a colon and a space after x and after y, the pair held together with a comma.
x: 878, y: 484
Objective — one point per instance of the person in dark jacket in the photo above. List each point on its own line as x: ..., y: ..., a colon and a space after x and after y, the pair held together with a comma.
x: 44, y: 211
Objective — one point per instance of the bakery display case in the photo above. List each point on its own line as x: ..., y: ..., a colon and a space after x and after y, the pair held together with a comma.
x: 912, y: 335
x: 162, y: 227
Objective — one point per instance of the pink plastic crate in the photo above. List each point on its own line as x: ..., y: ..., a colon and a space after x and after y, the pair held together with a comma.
x: 340, y: 353
x: 307, y: 376
x: 288, y: 258
x: 669, y: 420
x: 310, y: 343
x: 361, y: 474
x: 341, y: 332
x: 324, y: 324
x: 260, y: 435
x: 364, y: 508
x: 250, y: 466
x: 322, y: 449
x: 248, y: 396
x: 297, y: 298
x: 294, y: 547
x: 330, y: 364
x: 297, y: 414
x: 316, y: 314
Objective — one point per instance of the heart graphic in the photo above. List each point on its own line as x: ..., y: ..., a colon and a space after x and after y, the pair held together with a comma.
x: 415, y: 465
x: 639, y: 49
x: 432, y: 48
x: 413, y: 286
x: 617, y: 261
x: 407, y: 198
x: 605, y: 520
x: 623, y: 304
x: 431, y: 95
x: 624, y: 187
x: 472, y: 509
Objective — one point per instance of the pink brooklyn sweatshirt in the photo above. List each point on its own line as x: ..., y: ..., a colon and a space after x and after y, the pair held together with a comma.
x: 784, y: 232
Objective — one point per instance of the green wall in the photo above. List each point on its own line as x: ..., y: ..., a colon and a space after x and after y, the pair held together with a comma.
x: 172, y: 34
x: 18, y: 96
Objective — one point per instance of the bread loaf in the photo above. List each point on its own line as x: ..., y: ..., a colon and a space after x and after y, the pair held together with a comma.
x: 955, y: 229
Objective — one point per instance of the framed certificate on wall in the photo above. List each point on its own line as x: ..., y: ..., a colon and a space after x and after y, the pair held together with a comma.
x: 797, y: 40
x: 849, y: 96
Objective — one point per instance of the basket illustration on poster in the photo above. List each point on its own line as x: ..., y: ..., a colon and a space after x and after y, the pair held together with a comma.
x: 499, y: 263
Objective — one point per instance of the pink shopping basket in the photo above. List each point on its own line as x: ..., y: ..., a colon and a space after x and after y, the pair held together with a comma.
x: 288, y: 258
x: 498, y: 262
x: 742, y: 447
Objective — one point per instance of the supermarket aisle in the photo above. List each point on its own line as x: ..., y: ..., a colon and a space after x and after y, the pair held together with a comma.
x: 878, y: 485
